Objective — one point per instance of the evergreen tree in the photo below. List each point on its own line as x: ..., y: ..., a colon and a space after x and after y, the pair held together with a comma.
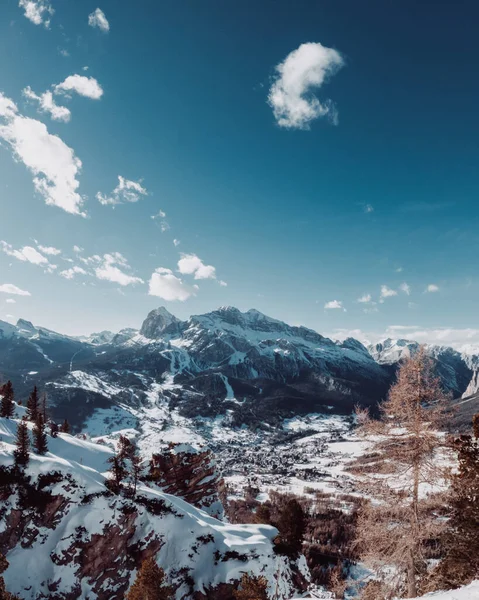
x: 118, y: 469
x: 33, y: 405
x: 43, y: 407
x: 291, y: 526
x: 461, y: 539
x: 21, y: 453
x: 39, y: 436
x: 136, y: 470
x: 252, y: 588
x: 149, y: 583
x: 7, y: 407
x: 65, y: 427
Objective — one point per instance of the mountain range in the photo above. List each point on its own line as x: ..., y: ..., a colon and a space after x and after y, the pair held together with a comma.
x: 246, y: 365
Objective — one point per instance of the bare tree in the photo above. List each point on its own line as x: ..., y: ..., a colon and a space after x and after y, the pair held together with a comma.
x: 403, y: 477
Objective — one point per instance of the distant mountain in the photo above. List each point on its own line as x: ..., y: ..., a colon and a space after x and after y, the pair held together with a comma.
x: 243, y: 366
x: 459, y: 372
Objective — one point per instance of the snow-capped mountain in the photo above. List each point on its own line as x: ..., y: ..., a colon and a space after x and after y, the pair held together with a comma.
x: 459, y: 372
x: 243, y: 366
x: 250, y: 365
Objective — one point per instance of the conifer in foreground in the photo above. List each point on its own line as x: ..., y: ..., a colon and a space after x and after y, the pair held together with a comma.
x: 65, y: 427
x: 149, y: 583
x: 39, y: 436
x: 7, y: 406
x: 21, y: 453
x: 252, y: 588
x: 395, y: 530
x: 33, y: 405
x: 461, y: 539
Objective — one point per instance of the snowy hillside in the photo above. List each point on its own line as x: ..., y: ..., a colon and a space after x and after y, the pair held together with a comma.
x: 67, y: 536
x: 468, y: 592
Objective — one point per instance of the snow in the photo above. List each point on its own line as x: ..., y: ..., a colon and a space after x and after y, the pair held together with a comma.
x: 31, y: 568
x: 468, y: 592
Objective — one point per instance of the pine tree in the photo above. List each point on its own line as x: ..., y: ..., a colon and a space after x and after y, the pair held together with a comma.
x: 252, y: 588
x: 461, y: 539
x: 65, y: 427
x: 394, y: 530
x: 7, y: 407
x: 136, y: 470
x: 118, y: 469
x: 21, y: 453
x: 33, y: 405
x: 39, y: 436
x: 43, y: 407
x: 149, y: 583
x: 291, y: 527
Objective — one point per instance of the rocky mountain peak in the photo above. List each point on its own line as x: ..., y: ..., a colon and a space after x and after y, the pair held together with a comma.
x: 26, y: 328
x: 158, y: 322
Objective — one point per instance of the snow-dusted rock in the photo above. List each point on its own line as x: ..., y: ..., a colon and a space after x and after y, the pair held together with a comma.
x: 67, y: 536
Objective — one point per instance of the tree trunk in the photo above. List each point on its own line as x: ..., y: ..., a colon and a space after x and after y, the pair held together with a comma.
x: 411, y: 577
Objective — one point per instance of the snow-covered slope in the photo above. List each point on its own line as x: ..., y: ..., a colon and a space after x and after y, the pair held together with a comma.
x: 468, y: 592
x: 66, y: 535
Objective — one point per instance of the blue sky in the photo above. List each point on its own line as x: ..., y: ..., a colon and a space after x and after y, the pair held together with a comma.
x: 306, y: 154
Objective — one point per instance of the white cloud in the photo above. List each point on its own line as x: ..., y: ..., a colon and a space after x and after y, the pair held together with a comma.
x: 9, y: 288
x: 77, y: 249
x: 386, y: 292
x: 432, y: 287
x: 164, y: 284
x: 70, y: 273
x: 176, y: 242
x: 50, y: 250
x: 25, y: 254
x: 463, y: 340
x: 190, y: 264
x: 399, y: 270
x: 47, y: 104
x: 53, y: 164
x: 37, y: 11
x: 97, y: 19
x: 334, y: 304
x: 82, y: 85
x: 10, y: 301
x: 8, y: 108
x: 290, y: 96
x: 222, y: 283
x: 163, y: 225
x: 125, y: 191
x: 368, y: 208
x: 404, y: 287
x: 109, y: 270
x: 365, y: 298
